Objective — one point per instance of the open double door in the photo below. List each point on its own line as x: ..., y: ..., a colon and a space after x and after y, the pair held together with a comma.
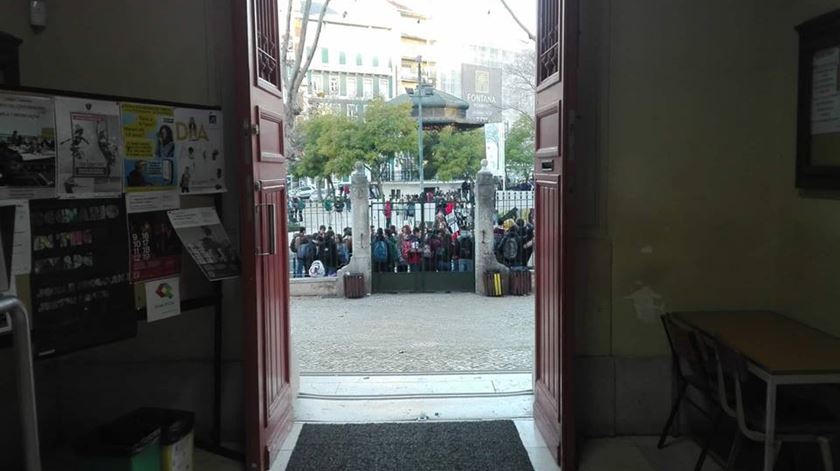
x: 262, y: 183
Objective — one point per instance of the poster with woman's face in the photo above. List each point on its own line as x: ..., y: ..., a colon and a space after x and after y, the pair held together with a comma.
x: 150, y: 158
x: 90, y: 149
x: 199, y: 149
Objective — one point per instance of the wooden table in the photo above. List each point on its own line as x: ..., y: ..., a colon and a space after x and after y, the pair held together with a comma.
x: 780, y: 351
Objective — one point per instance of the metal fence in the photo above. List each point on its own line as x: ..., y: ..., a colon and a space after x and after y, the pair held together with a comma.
x: 453, y: 211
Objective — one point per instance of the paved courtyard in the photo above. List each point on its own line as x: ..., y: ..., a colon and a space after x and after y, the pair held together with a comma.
x: 413, y: 333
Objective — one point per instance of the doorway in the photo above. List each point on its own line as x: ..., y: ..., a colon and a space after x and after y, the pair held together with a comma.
x: 260, y: 108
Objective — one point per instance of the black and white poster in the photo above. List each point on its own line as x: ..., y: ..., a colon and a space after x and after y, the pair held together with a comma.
x: 90, y: 148
x: 204, y: 238
x: 27, y: 147
x: 198, y: 144
x: 80, y: 288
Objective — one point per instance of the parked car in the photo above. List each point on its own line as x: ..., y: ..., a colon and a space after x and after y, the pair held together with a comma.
x: 304, y: 192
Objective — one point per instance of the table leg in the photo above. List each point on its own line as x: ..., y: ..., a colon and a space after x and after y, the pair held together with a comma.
x: 770, y: 426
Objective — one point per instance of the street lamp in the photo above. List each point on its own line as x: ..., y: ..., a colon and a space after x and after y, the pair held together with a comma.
x: 420, y: 93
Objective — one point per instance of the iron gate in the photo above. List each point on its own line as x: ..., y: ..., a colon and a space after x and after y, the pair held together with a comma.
x: 437, y: 254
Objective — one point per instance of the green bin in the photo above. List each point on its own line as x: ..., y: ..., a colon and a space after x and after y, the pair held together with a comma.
x: 126, y: 444
x: 176, y: 437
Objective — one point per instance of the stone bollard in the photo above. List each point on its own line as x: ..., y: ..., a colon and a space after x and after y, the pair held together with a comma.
x: 485, y: 213
x: 360, y: 262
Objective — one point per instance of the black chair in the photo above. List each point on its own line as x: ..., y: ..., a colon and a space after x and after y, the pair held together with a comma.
x: 795, y: 421
x: 692, y: 369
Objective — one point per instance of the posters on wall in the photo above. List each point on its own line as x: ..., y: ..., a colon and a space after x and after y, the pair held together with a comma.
x: 80, y: 289
x: 155, y: 248
x: 205, y: 239
x: 27, y: 147
x: 198, y: 144
x: 149, y: 138
x: 90, y: 151
x: 163, y: 299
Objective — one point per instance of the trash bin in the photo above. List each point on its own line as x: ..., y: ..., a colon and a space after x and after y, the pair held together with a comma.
x: 176, y: 436
x: 126, y: 444
x: 354, y: 285
x: 493, y: 285
x: 520, y: 281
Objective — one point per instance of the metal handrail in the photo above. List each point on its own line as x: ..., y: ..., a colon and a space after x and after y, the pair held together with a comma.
x: 26, y: 379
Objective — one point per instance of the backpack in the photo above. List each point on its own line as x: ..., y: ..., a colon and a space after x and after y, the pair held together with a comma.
x: 305, y: 251
x: 510, y: 248
x: 294, y: 245
x: 466, y: 248
x: 317, y: 269
x: 380, y: 251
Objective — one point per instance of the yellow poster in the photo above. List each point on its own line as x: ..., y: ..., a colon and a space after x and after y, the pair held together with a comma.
x: 148, y: 134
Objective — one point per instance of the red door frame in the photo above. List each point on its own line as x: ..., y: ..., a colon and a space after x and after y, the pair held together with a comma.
x: 556, y: 101
x: 262, y: 188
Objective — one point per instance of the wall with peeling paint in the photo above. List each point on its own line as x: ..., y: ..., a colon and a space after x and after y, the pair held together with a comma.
x: 692, y: 113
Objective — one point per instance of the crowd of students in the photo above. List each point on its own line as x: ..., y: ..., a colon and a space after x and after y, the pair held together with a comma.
x: 321, y: 253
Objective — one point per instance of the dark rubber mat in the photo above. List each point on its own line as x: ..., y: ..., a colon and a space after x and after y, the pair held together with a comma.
x: 435, y: 446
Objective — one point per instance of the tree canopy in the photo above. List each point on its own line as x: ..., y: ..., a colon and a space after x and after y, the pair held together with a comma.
x: 458, y: 154
x: 519, y: 147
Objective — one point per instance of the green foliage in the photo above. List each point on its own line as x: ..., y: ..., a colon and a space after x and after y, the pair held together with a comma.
x: 332, y: 144
x: 458, y: 154
x: 519, y: 147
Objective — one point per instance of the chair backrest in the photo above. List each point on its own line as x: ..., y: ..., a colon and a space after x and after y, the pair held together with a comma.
x: 732, y: 364
x: 685, y: 347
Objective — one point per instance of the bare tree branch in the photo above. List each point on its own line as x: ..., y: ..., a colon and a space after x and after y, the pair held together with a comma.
x: 304, y: 26
x: 521, y: 25
x: 284, y: 73
x: 311, y: 54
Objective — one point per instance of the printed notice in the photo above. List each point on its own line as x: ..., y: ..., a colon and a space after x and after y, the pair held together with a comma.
x: 149, y: 138
x: 825, y: 92
x: 21, y: 242
x: 206, y: 241
x: 90, y: 151
x: 198, y: 144
x: 27, y: 147
x: 163, y: 299
x: 157, y: 201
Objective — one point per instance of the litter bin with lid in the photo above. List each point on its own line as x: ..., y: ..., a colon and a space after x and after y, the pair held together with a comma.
x: 126, y: 444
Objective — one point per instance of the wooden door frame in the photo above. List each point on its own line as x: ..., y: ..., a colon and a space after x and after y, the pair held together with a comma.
x: 556, y: 103
x: 266, y: 425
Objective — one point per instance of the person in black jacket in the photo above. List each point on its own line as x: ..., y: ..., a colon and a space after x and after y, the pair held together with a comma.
x: 328, y: 253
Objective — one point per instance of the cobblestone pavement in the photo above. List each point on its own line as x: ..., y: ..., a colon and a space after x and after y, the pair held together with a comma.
x: 413, y: 333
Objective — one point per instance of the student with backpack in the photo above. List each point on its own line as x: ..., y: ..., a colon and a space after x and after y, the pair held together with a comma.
x: 294, y: 246
x: 511, y: 248
x: 465, y: 250
x: 380, y: 255
x: 306, y: 254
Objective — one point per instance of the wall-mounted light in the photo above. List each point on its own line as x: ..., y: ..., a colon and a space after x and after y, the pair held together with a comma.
x: 38, y: 14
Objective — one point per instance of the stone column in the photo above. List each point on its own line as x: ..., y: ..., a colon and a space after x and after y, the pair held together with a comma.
x: 360, y: 262
x: 485, y: 213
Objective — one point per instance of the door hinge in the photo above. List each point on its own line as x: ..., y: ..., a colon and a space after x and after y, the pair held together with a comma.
x: 250, y: 128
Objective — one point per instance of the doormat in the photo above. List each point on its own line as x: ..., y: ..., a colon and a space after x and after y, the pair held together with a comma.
x: 436, y: 446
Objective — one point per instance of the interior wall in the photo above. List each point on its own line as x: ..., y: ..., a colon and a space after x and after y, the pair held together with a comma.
x: 688, y: 110
x: 809, y: 262
x: 157, y: 50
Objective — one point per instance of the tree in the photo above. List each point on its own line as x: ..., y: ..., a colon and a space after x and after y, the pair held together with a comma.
x: 293, y: 69
x: 323, y: 150
x: 519, y: 147
x: 385, y: 131
x: 458, y: 154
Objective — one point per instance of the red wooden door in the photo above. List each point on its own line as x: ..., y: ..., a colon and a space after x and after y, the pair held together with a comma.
x: 262, y: 188
x: 557, y: 31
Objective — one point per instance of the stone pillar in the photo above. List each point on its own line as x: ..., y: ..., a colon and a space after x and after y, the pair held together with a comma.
x: 485, y: 213
x: 360, y: 262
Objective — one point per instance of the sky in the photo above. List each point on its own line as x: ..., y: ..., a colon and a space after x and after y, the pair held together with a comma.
x: 483, y: 21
